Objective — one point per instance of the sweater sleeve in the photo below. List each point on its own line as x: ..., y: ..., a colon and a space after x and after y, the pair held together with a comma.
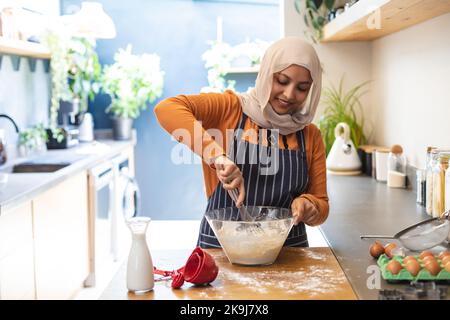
x: 199, y: 121
x: 317, y: 190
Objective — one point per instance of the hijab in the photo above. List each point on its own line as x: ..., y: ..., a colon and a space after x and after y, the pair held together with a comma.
x: 279, y: 56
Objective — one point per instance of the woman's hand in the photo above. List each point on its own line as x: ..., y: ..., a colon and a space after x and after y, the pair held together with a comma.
x: 304, y: 211
x: 231, y: 177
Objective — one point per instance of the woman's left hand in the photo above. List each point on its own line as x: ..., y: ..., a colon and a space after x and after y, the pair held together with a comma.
x: 304, y: 211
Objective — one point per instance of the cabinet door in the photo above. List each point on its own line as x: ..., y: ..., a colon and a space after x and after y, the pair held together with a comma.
x: 16, y: 253
x: 61, y: 239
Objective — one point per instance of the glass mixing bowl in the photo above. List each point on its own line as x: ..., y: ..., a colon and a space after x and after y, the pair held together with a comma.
x: 258, y: 240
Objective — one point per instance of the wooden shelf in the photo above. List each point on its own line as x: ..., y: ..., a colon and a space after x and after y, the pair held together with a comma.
x: 359, y: 22
x: 24, y: 48
x: 243, y: 70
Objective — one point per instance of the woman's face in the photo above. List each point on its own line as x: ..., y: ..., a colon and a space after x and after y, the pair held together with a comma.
x: 290, y: 88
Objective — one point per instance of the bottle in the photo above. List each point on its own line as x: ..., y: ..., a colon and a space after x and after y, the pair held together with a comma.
x: 420, y: 186
x: 447, y: 190
x: 140, y: 265
x: 3, y: 155
x: 396, y: 167
x: 439, y: 184
x: 431, y: 158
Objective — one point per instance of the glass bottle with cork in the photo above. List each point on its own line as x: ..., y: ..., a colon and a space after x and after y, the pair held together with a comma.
x: 396, y: 177
x: 439, y: 184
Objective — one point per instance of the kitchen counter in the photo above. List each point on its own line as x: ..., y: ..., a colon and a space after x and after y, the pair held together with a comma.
x: 360, y: 205
x: 25, y: 186
x: 298, y: 273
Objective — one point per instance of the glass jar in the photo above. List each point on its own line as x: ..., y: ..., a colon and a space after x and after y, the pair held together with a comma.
x: 439, y: 184
x: 396, y: 175
x: 420, y: 186
x: 432, y: 155
x: 447, y: 189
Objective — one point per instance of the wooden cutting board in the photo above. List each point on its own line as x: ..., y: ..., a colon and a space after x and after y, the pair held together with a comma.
x: 298, y: 273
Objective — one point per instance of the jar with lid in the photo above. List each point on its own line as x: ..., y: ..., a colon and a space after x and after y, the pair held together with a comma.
x: 396, y: 177
x: 439, y: 184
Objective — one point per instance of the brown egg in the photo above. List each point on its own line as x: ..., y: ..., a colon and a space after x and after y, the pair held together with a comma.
x: 425, y: 253
x: 433, y: 267
x: 447, y: 266
x: 428, y: 258
x: 394, y: 267
x: 443, y: 254
x: 376, y: 249
x: 409, y: 258
x: 445, y: 260
x: 413, y: 267
x: 388, y: 249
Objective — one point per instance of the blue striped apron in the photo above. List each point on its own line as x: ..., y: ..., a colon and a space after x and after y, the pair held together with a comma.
x: 277, y: 189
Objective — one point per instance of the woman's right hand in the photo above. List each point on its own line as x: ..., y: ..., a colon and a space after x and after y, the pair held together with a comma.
x: 231, y: 177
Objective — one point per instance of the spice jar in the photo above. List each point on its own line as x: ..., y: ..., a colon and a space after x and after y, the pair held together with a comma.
x: 439, y: 184
x: 396, y: 176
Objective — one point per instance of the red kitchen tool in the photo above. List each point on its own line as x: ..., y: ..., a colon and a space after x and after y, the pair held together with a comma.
x: 200, y: 269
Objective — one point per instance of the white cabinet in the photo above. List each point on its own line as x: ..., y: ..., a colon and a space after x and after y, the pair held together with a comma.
x: 16, y: 253
x: 61, y: 239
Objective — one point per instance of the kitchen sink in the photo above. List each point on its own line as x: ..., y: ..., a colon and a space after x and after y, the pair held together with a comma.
x: 41, y: 165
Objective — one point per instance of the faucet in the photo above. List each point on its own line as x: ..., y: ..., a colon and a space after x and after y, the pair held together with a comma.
x: 3, y: 153
x: 2, y: 115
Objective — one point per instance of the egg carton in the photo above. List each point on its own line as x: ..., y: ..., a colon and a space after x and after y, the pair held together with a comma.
x: 404, y: 275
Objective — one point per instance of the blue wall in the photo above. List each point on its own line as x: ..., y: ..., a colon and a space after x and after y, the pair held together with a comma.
x: 178, y: 32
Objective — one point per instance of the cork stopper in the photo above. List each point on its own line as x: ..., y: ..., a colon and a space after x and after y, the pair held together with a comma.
x: 397, y: 149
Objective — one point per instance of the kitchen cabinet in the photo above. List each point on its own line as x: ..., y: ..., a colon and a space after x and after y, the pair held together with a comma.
x: 372, y: 19
x: 61, y: 238
x: 16, y: 253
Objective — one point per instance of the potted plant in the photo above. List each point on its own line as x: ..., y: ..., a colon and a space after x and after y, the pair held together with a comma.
x: 83, y: 74
x: 342, y: 106
x: 32, y: 141
x: 131, y: 81
x: 75, y: 72
x: 315, y: 15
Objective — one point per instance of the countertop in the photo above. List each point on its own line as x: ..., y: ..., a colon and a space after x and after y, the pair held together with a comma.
x: 298, y: 273
x: 360, y: 205
x: 24, y: 186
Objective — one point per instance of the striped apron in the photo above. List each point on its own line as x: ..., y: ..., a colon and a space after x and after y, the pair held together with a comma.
x: 276, y: 189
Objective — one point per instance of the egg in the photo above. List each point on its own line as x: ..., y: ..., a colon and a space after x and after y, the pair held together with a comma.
x: 433, y: 267
x: 388, y: 249
x: 445, y: 260
x: 447, y: 266
x: 376, y: 249
x: 425, y: 253
x: 394, y: 266
x: 428, y: 258
x: 413, y: 267
x: 443, y: 254
x: 409, y: 258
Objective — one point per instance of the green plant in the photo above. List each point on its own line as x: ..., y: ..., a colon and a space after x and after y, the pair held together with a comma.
x: 32, y: 139
x: 219, y: 59
x: 342, y: 107
x: 315, y: 15
x: 58, y: 44
x: 84, y: 71
x: 131, y: 82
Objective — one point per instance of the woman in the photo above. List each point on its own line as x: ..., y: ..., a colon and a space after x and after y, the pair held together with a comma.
x: 284, y: 101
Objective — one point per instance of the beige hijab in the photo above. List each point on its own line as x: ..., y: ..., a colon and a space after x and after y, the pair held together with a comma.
x: 279, y: 56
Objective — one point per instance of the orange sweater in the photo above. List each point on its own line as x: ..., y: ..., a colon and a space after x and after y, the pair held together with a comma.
x: 192, y: 120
